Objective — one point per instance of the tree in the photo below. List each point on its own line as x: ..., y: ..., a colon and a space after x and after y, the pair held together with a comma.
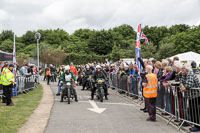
x: 101, y: 42
x: 173, y: 30
x: 155, y: 34
x: 28, y: 38
x: 6, y: 34
x: 7, y: 45
x: 166, y: 50
x: 116, y: 53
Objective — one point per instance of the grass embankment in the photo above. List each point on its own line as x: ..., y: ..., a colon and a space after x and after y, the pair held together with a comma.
x: 13, y: 117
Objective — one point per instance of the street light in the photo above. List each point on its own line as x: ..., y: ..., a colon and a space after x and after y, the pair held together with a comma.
x: 37, y: 37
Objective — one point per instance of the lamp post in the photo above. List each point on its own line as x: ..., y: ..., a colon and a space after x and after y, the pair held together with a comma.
x: 37, y: 37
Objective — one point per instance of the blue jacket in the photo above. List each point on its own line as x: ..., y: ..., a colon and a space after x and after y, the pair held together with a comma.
x: 134, y: 73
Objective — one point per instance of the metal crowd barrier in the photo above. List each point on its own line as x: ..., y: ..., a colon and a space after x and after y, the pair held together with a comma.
x: 126, y: 84
x: 182, y: 106
x: 27, y: 83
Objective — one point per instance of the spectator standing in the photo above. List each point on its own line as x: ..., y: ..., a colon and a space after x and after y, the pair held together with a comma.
x: 48, y: 75
x: 8, y: 80
x: 3, y: 72
x: 189, y: 81
x: 150, y: 92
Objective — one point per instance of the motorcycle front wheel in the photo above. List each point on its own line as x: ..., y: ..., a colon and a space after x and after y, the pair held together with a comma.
x: 68, y: 95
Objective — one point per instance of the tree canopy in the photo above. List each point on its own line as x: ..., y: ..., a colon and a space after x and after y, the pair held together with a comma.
x: 86, y: 45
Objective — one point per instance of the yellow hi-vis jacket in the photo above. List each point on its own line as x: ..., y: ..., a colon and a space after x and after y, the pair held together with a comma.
x: 7, y: 77
x: 150, y: 91
x: 4, y: 71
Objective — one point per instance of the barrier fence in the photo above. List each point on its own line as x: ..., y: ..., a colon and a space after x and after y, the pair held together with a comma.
x: 23, y: 85
x: 182, y: 106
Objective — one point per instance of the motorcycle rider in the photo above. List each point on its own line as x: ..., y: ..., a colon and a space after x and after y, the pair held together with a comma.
x: 104, y: 70
x: 87, y: 73
x: 96, y: 75
x: 63, y: 79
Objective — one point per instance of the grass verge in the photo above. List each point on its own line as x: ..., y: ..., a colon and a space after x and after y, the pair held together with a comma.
x: 13, y: 117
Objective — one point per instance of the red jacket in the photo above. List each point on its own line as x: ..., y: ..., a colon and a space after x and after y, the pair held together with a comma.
x: 74, y: 70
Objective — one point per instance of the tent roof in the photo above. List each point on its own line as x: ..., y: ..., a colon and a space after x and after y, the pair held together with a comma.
x: 5, y: 52
x: 188, y: 56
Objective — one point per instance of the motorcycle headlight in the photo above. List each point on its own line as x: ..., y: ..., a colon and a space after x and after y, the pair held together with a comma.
x: 68, y: 83
x: 100, y: 81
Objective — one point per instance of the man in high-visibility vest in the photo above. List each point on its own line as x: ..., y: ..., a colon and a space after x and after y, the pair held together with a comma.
x: 3, y: 71
x: 7, y: 80
x: 150, y: 92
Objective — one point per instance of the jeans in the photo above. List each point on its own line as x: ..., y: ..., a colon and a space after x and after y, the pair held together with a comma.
x: 167, y: 99
x: 59, y: 87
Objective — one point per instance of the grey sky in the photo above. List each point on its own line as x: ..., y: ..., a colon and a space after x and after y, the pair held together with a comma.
x: 70, y: 15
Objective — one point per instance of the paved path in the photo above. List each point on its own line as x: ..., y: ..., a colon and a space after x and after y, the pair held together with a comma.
x: 38, y: 120
x: 120, y: 116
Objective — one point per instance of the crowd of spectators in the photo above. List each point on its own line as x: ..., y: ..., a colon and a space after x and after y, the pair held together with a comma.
x: 126, y: 77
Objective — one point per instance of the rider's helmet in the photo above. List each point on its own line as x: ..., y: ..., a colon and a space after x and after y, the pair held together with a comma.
x: 87, y: 67
x: 67, y: 68
x: 98, y: 66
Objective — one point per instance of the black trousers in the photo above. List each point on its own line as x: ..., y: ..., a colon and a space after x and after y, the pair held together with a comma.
x: 84, y: 82
x: 151, y: 103
x: 48, y: 79
x: 4, y: 95
x: 8, y: 93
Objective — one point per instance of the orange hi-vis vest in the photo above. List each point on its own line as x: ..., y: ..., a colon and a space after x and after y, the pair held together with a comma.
x: 150, y: 91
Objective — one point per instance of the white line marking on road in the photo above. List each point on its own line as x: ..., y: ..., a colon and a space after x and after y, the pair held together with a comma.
x: 87, y: 97
x: 80, y: 97
x: 56, y: 99
x: 95, y: 108
x: 109, y: 103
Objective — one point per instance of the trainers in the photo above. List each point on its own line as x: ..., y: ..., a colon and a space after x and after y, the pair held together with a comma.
x: 58, y: 94
x: 195, y: 129
x: 152, y: 120
x: 11, y: 104
x: 143, y: 109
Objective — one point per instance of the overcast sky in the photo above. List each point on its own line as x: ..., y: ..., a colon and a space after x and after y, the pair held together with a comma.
x: 70, y: 15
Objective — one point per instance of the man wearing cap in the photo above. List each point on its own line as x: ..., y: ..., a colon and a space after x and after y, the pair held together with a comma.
x: 8, y: 80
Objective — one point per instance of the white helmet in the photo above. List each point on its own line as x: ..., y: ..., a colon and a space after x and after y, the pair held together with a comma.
x: 67, y: 68
x: 98, y: 66
x: 87, y: 66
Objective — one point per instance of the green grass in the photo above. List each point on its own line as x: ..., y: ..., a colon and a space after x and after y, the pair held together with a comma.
x: 13, y: 117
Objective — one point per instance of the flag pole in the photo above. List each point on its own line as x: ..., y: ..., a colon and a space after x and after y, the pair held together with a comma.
x: 15, y: 67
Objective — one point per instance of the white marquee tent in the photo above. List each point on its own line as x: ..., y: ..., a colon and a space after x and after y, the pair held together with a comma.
x: 188, y: 57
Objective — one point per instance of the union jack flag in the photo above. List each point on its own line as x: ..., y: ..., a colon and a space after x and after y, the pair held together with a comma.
x: 143, y: 36
x: 137, y: 48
